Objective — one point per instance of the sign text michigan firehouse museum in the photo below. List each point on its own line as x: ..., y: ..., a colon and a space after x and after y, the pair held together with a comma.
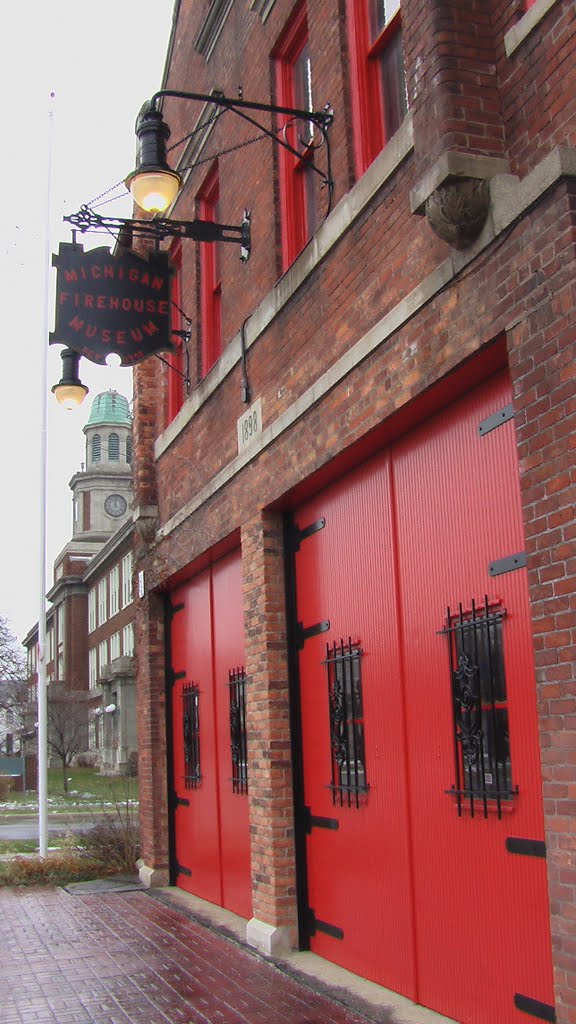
x: 108, y: 303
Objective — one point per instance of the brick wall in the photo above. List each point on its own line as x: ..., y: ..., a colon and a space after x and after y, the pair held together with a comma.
x: 513, y: 302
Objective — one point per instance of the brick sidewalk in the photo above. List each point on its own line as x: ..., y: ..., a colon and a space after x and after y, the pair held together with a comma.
x: 127, y: 958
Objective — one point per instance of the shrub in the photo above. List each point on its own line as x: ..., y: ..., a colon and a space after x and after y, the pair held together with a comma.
x: 114, y: 842
x: 57, y: 869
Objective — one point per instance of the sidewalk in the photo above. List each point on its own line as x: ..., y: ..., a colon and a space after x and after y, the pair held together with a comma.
x: 134, y: 957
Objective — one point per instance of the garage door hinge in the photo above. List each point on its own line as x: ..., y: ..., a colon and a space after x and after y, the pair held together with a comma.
x: 543, y: 1011
x: 177, y: 801
x: 313, y: 821
x: 496, y: 420
x: 181, y: 870
x: 303, y: 633
x: 508, y: 564
x: 314, y: 925
x: 296, y: 535
x: 528, y: 847
x: 173, y: 676
x: 173, y: 608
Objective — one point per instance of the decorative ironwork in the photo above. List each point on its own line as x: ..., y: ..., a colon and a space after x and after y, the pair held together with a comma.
x: 238, y: 743
x: 191, y: 730
x: 480, y: 707
x: 349, y: 780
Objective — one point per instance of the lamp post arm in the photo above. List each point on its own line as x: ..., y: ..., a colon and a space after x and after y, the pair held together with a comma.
x: 322, y: 118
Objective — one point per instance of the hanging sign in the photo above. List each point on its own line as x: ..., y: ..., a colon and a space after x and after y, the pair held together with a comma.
x: 108, y: 303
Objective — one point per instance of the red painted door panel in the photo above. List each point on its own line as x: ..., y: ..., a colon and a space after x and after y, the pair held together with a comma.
x: 485, y: 908
x: 233, y: 806
x: 345, y: 574
x: 211, y: 828
x: 430, y: 903
x: 197, y: 841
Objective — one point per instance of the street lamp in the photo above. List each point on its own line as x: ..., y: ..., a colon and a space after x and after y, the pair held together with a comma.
x: 70, y: 392
x: 154, y: 185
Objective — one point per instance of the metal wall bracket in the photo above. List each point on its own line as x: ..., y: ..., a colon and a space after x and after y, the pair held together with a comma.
x: 543, y: 1011
x: 496, y: 420
x: 508, y: 564
x: 527, y: 847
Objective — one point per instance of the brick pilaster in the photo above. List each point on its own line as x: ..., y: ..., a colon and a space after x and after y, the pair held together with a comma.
x: 542, y: 359
x: 268, y: 721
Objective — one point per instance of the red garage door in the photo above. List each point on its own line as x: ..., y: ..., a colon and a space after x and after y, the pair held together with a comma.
x: 209, y: 767
x: 421, y: 776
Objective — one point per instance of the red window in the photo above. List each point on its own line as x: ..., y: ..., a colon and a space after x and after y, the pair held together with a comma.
x: 378, y: 81
x: 293, y: 71
x: 210, y: 277
x: 176, y: 384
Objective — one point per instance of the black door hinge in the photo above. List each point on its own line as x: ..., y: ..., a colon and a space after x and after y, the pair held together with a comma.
x: 173, y: 608
x: 303, y: 633
x: 314, y: 924
x: 173, y: 676
x: 314, y: 821
x: 296, y: 535
x: 179, y: 869
x: 175, y: 801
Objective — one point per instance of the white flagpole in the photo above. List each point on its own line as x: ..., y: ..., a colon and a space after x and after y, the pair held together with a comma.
x: 42, y: 659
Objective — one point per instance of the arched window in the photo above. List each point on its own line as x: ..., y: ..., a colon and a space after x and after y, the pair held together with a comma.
x: 96, y: 448
x: 114, y: 448
x: 128, y: 449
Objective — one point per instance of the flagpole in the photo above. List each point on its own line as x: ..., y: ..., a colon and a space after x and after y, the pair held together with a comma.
x: 43, y: 654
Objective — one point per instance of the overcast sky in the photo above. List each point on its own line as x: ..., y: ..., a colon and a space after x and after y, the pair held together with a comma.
x: 102, y: 60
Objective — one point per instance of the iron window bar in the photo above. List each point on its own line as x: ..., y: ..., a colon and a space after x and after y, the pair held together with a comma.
x: 191, y: 736
x: 238, y: 738
x: 479, y: 707
x: 348, y: 760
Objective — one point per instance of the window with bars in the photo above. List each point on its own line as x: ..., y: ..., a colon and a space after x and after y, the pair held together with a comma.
x: 191, y: 736
x: 238, y: 744
x: 349, y: 779
x: 480, y: 707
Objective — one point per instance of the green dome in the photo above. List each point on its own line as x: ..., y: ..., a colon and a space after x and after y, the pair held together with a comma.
x: 110, y: 408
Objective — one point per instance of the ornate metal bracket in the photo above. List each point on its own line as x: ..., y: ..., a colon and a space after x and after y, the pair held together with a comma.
x: 160, y: 228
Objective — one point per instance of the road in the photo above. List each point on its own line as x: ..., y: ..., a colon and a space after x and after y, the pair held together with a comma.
x: 26, y: 826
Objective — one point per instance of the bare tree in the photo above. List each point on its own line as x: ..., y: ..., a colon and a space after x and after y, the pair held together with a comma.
x: 12, y: 680
x: 67, y: 725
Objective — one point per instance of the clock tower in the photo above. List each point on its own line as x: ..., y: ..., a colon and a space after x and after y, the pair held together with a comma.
x: 102, y: 492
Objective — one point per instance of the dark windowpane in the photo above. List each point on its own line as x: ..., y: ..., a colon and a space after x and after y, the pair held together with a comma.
x: 346, y: 722
x: 191, y: 736
x: 238, y: 741
x: 479, y: 702
x: 393, y: 84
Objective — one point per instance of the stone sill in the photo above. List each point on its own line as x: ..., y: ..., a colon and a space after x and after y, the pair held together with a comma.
x: 516, y: 35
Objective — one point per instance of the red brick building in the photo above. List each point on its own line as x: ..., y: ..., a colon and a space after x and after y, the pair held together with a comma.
x: 354, y: 528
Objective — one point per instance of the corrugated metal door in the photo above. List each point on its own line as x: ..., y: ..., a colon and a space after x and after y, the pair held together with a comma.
x: 439, y: 896
x: 210, y: 810
x: 357, y: 844
x: 481, y: 911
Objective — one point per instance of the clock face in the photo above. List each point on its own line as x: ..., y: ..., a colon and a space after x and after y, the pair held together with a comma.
x: 115, y: 505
